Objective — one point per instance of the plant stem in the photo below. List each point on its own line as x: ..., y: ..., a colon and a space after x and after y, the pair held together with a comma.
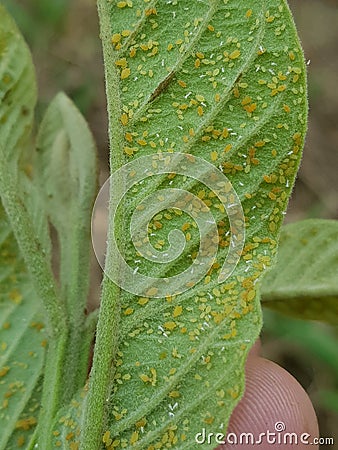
x: 33, y: 255
x: 102, y: 369
x: 52, y: 389
x: 107, y: 337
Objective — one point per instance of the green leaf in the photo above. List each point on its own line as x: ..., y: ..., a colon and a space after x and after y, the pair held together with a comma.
x: 304, y: 281
x: 17, y: 102
x: 65, y: 173
x: 36, y: 209
x: 17, y: 93
x: 24, y: 200
x: 18, y: 193
x: 225, y: 82
x: 22, y: 346
x: 65, y: 169
x: 315, y: 338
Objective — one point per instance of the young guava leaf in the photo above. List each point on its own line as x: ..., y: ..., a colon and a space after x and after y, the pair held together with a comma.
x: 65, y: 170
x: 304, y: 281
x: 17, y: 93
x: 22, y: 346
x: 222, y: 82
x: 65, y: 173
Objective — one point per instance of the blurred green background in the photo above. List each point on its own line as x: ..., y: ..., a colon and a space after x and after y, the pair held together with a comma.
x: 63, y: 36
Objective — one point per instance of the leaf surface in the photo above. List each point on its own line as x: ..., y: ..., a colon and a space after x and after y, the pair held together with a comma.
x: 65, y: 169
x: 223, y: 81
x: 18, y: 95
x: 17, y: 92
x: 304, y: 281
x: 22, y: 346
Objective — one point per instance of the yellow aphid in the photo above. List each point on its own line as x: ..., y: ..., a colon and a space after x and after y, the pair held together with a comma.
x: 174, y: 394
x: 121, y: 63
x: 106, y: 439
x: 235, y: 54
x: 151, y: 11
x: 141, y: 423
x: 214, y: 156
x: 200, y: 98
x: 125, y: 73
x: 143, y: 301
x: 152, y: 291
x: 116, y: 38
x: 182, y: 83
x: 177, y: 311
x: 124, y: 119
x: 4, y: 370
x: 134, y: 437
x: 129, y: 150
x: 259, y: 144
x: 250, y: 108
x: 26, y: 424
x: 170, y: 326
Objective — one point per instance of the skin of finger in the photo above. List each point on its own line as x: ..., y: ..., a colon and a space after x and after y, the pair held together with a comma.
x: 273, y: 398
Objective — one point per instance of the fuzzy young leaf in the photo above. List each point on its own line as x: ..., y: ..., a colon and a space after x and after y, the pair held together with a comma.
x: 19, y: 195
x: 65, y: 174
x: 223, y: 81
x: 22, y: 346
x: 65, y: 169
x: 304, y: 281
x: 17, y: 93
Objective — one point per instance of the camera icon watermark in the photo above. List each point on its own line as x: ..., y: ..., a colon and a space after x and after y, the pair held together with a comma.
x: 132, y: 174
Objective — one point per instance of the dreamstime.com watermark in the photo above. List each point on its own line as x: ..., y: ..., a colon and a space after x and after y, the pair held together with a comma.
x: 279, y: 436
x: 129, y: 178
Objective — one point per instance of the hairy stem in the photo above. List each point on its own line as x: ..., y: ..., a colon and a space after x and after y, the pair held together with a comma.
x: 52, y: 389
x: 102, y: 370
x: 107, y: 329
